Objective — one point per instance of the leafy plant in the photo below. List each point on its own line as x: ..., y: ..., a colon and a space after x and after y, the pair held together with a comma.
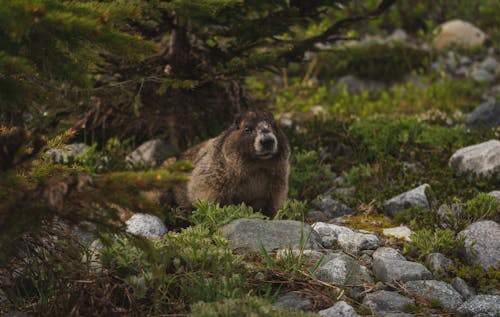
x: 212, y: 216
x: 292, y: 210
x: 426, y: 241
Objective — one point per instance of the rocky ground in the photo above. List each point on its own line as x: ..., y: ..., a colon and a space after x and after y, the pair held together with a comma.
x: 423, y: 245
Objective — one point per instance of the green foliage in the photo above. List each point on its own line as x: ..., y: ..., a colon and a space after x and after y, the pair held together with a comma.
x: 410, y: 97
x: 181, y: 269
x: 418, y: 218
x: 248, y: 306
x: 427, y: 241
x: 292, y: 210
x: 48, y: 44
x: 213, y: 216
x: 384, y: 62
x: 309, y: 177
x: 484, y: 281
x: 459, y: 215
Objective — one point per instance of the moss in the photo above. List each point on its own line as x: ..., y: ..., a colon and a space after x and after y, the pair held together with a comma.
x: 371, y: 222
x: 484, y: 281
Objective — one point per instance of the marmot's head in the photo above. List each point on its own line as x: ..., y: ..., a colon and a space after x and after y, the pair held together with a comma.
x: 255, y: 135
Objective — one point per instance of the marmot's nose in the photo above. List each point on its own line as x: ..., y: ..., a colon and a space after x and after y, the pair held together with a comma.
x: 267, y: 143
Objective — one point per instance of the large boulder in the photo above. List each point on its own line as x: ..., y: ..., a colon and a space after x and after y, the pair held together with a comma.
x: 482, y: 243
x: 145, y: 225
x: 252, y: 234
x: 448, y: 297
x: 412, y: 198
x: 482, y: 159
x: 459, y: 33
x: 486, y: 114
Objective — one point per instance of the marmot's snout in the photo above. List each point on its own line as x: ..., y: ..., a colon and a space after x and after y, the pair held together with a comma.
x: 266, y: 143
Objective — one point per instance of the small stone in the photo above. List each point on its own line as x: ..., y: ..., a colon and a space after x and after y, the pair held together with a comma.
x: 344, y: 191
x: 490, y: 64
x: 482, y: 159
x: 479, y: 74
x: 401, y: 232
x: 328, y: 229
x: 438, y: 262
x: 67, y: 152
x: 355, y: 85
x: 294, y: 301
x: 340, y: 309
x: 481, y: 305
x: 145, y: 225
x: 355, y: 242
x: 448, y: 297
x: 461, y: 286
x: 388, y: 253
x: 399, y: 35
x: 316, y: 215
x: 412, y: 198
x: 387, y: 270
x: 342, y: 270
x: 331, y: 207
x: 482, y: 243
x: 253, y: 234
x: 385, y: 301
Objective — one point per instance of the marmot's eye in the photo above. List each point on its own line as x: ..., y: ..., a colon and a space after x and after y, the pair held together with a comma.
x: 247, y: 130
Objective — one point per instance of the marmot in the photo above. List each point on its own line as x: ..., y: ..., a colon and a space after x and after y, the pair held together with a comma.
x: 247, y: 163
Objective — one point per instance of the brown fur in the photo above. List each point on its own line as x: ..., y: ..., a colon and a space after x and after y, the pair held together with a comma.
x: 227, y: 169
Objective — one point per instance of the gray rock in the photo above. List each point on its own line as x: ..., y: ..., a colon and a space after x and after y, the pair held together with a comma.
x: 279, y: 234
x: 328, y: 229
x: 145, y: 225
x: 495, y: 194
x: 482, y: 159
x: 331, y: 207
x: 385, y: 301
x: 323, y: 229
x: 355, y: 242
x: 437, y: 262
x: 401, y: 232
x: 355, y: 85
x: 461, y: 286
x: 317, y: 215
x: 150, y: 154
x: 490, y: 64
x: 449, y: 213
x: 340, y: 309
x: 481, y: 305
x: 342, y: 270
x: 486, y: 114
x: 480, y: 74
x: 432, y: 289
x: 388, y: 253
x: 387, y: 270
x: 458, y: 32
x: 294, y: 301
x: 482, y: 243
x: 412, y: 198
x: 313, y: 255
x: 399, y: 35
x: 66, y: 153
x: 343, y: 191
